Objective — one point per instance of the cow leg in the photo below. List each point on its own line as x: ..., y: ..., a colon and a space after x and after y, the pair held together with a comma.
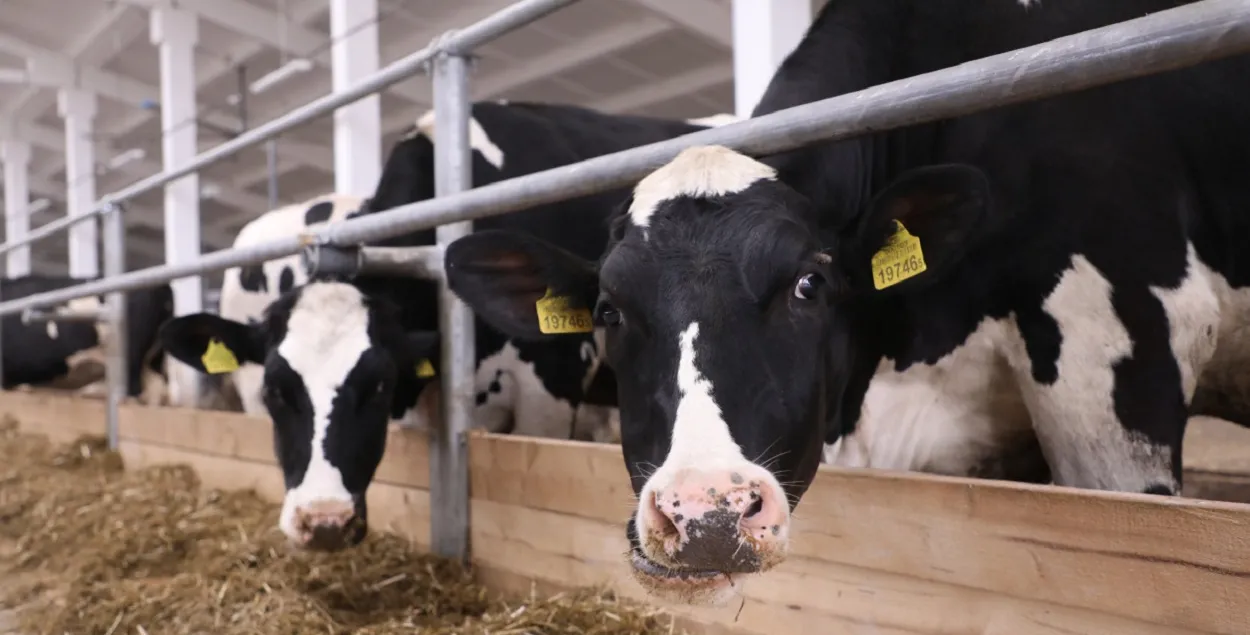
x: 1107, y: 372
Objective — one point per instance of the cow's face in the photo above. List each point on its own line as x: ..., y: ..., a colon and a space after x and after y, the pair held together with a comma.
x: 729, y: 322
x: 334, y: 362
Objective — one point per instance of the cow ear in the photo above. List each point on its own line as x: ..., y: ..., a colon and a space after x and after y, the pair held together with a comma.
x: 212, y: 344
x: 523, y: 286
x: 920, y: 225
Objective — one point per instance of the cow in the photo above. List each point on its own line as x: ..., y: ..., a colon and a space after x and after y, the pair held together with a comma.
x: 71, y: 354
x: 1060, y: 282
x: 339, y: 358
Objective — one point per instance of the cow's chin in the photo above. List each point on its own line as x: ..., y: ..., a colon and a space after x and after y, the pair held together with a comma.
x: 691, y: 587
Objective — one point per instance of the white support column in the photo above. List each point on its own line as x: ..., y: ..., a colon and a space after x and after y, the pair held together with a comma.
x: 16, y: 156
x: 175, y: 32
x: 78, y: 108
x: 764, y: 32
x: 358, y: 127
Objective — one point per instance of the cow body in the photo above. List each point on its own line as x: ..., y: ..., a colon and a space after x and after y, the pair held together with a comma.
x: 71, y: 354
x: 1039, y: 291
x: 337, y: 360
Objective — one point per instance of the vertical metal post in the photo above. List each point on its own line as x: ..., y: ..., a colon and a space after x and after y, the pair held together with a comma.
x: 114, y: 235
x: 271, y: 160
x: 449, y: 466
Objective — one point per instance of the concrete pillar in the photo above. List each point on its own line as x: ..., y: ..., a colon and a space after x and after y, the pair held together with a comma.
x: 764, y: 33
x: 357, y: 127
x: 78, y: 108
x: 16, y: 157
x: 175, y: 32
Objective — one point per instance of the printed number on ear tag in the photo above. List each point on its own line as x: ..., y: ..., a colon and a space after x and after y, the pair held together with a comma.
x: 219, y: 359
x: 555, y: 316
x: 425, y: 369
x: 899, y: 259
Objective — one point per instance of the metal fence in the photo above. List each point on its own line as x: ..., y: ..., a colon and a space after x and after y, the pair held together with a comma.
x: 1170, y: 39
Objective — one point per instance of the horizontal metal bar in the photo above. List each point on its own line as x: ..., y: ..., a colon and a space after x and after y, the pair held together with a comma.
x: 513, y: 17
x: 39, y: 316
x: 1166, y: 40
x: 416, y: 262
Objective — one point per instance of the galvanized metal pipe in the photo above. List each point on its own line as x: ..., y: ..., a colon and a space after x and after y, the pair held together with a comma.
x: 449, y: 443
x: 113, y: 232
x: 1175, y: 38
x: 40, y: 316
x: 514, y: 16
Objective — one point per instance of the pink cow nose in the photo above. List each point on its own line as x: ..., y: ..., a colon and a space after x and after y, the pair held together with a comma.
x: 328, y: 525
x: 728, y: 521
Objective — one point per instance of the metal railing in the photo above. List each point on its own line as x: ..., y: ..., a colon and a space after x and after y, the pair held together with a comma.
x: 1170, y: 39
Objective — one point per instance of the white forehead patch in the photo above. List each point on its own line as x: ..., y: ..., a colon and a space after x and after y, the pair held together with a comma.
x: 478, y: 139
x: 1026, y: 3
x: 327, y: 332
x: 700, y: 171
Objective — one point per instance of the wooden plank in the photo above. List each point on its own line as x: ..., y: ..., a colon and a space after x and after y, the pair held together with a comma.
x: 1058, y: 545
x: 237, y: 435
x: 1065, y: 546
x: 802, y: 595
x: 61, y: 417
x: 1016, y: 543
x: 1216, y: 445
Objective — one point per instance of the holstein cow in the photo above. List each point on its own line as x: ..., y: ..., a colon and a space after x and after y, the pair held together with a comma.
x: 71, y: 354
x: 340, y: 359
x: 1065, y: 273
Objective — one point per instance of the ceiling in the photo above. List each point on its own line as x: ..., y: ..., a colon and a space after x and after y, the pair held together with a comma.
x: 660, y: 57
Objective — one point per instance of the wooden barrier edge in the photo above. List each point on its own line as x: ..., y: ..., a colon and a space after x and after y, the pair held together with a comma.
x: 1032, y: 543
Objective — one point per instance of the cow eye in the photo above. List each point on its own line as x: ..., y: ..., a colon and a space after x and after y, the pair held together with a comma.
x: 607, y: 314
x: 807, y: 286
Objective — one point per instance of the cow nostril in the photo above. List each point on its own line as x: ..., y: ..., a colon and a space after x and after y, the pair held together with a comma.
x: 663, y: 522
x: 755, y: 508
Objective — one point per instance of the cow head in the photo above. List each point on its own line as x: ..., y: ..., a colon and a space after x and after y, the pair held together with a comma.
x: 729, y: 319
x: 338, y: 366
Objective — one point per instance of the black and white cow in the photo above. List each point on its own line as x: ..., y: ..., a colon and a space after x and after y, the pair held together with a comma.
x: 247, y: 291
x: 71, y: 354
x: 1042, y: 290
x: 340, y: 359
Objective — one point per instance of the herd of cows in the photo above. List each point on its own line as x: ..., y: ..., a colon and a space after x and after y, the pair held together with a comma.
x: 1043, y: 292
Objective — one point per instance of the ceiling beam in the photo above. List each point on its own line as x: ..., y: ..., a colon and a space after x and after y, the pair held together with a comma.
x: 32, y: 100
x: 669, y: 88
x: 711, y: 20
x: 564, y: 58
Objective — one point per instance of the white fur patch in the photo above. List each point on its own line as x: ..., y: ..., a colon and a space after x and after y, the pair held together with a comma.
x: 1084, y: 441
x: 535, y: 411
x: 479, y: 141
x: 327, y: 332
x: 700, y: 171
x: 943, y: 418
x: 1193, y: 311
x: 715, y: 121
x: 53, y: 332
x: 701, y: 437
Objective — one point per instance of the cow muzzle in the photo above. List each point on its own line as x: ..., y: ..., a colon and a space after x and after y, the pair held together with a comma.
x: 328, y: 525
x: 699, y: 532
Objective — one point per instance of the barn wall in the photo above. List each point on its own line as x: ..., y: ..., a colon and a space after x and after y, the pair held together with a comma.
x: 874, y: 552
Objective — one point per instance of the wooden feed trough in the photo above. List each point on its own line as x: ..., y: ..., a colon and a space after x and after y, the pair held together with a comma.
x: 874, y: 553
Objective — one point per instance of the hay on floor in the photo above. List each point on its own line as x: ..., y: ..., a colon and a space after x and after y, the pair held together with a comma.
x: 149, y: 551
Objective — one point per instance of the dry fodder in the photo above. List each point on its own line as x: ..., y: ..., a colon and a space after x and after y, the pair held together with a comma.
x: 149, y: 551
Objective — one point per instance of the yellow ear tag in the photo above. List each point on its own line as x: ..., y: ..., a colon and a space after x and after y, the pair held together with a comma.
x: 556, y: 316
x: 219, y: 359
x: 425, y: 369
x: 899, y: 259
